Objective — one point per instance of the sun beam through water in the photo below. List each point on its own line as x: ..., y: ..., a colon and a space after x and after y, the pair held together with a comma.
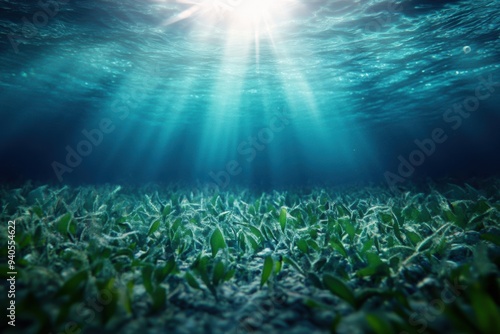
x: 249, y: 17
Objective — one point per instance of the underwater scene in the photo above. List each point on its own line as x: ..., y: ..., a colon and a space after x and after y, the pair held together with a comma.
x: 250, y: 166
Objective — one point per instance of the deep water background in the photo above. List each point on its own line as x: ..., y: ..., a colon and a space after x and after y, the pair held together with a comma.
x: 357, y: 81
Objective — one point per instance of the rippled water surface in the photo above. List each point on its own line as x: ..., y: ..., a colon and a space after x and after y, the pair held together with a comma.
x: 250, y: 166
x: 187, y: 83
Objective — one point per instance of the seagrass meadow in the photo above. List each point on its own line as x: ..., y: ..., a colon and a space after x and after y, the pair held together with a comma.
x: 108, y: 259
x: 249, y: 166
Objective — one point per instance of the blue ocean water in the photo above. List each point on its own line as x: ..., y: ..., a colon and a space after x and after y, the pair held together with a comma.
x: 266, y: 94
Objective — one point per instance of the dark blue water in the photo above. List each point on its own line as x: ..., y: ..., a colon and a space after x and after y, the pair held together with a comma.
x: 229, y: 93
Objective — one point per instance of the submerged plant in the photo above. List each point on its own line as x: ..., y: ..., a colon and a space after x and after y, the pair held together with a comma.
x: 157, y: 253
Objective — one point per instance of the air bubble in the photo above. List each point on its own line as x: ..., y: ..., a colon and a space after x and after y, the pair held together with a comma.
x: 467, y: 49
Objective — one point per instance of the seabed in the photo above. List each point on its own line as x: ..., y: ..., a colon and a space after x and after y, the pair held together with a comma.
x: 167, y: 259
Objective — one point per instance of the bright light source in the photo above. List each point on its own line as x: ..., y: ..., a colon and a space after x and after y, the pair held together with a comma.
x: 246, y: 14
x: 244, y: 20
x: 252, y: 13
x: 252, y: 10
